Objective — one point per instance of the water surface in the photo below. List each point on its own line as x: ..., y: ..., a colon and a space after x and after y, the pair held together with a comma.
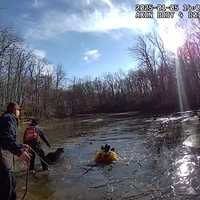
x: 159, y: 159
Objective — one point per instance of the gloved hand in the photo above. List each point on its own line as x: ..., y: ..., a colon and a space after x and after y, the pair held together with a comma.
x: 26, y: 147
x: 25, y: 156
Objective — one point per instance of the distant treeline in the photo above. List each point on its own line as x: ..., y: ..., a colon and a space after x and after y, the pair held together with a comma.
x: 149, y: 87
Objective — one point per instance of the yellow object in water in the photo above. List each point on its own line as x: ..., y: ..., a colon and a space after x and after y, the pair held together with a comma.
x: 106, y: 157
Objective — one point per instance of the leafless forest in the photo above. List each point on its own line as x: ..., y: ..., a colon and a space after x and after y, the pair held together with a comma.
x: 150, y: 87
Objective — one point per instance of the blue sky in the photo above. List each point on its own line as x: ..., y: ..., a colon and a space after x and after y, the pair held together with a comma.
x: 88, y: 37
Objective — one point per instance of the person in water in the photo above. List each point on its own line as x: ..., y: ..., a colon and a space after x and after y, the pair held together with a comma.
x: 31, y: 138
x: 105, y: 148
x: 106, y: 155
x: 9, y: 148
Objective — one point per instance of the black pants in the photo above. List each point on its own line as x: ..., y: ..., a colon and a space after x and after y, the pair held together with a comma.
x: 37, y: 148
x: 7, y: 185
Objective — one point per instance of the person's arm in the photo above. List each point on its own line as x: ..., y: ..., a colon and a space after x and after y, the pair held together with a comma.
x: 8, y: 137
x: 43, y: 137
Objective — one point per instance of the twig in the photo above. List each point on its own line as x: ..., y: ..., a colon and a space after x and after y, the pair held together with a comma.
x: 136, y: 196
x: 87, y: 170
x: 99, y: 186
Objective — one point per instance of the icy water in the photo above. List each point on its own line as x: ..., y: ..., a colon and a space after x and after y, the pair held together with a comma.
x: 159, y: 159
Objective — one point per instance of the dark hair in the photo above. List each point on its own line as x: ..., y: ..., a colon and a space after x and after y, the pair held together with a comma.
x: 11, y: 106
x: 34, y: 122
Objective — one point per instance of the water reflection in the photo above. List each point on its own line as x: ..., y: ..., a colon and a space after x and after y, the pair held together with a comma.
x: 185, y: 166
x: 184, y: 173
x: 186, y: 162
x: 193, y: 141
x: 143, y: 172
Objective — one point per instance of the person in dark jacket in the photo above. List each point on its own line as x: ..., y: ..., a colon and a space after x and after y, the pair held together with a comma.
x: 9, y: 148
x: 31, y: 138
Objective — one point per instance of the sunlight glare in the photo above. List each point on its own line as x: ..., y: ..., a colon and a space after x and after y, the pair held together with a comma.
x: 173, y: 36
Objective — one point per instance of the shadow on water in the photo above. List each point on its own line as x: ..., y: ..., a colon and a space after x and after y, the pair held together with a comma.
x: 155, y: 163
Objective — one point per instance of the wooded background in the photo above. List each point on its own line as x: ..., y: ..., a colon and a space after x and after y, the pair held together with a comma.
x: 150, y: 87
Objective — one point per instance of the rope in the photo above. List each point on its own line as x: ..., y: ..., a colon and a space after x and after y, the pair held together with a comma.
x: 27, y: 173
x: 27, y: 178
x: 39, y: 157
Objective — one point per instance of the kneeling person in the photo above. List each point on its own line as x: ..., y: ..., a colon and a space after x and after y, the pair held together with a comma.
x: 31, y: 137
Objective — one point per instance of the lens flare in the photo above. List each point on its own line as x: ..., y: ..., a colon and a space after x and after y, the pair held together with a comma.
x: 173, y: 36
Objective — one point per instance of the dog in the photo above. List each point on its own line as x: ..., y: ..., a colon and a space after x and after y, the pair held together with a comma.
x: 55, y: 156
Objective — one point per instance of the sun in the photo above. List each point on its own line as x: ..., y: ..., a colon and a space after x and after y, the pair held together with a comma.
x: 172, y: 35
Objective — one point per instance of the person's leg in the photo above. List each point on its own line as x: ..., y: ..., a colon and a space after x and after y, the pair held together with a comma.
x: 32, y: 154
x: 42, y: 155
x: 32, y: 161
x: 13, y: 189
x: 7, y: 189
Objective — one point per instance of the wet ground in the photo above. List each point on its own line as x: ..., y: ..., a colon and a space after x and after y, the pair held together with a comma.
x: 159, y: 159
